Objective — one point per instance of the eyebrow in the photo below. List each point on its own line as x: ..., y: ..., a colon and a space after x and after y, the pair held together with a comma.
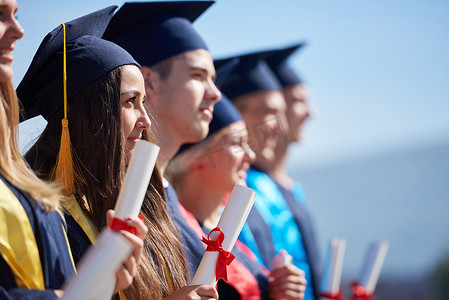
x: 135, y: 92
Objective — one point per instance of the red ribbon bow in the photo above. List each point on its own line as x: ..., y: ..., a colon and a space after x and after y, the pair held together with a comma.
x: 359, y: 292
x: 119, y: 224
x: 224, y: 257
x: 334, y: 296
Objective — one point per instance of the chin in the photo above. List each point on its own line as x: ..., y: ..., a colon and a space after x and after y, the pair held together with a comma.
x: 6, y: 73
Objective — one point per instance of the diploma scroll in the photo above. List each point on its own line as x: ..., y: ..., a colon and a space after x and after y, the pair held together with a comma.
x: 375, y: 257
x: 330, y: 282
x: 132, y: 192
x: 136, y: 180
x: 231, y: 222
x: 97, y: 266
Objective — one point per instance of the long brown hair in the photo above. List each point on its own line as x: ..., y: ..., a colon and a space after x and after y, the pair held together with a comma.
x: 12, y: 166
x: 98, y: 147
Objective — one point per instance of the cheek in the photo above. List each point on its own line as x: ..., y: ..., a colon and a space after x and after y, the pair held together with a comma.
x: 128, y: 121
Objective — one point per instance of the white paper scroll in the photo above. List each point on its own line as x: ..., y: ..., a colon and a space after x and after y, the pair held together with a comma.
x: 374, y: 260
x: 132, y: 193
x: 231, y: 222
x: 97, y: 266
x: 282, y: 259
x: 136, y: 180
x: 330, y: 282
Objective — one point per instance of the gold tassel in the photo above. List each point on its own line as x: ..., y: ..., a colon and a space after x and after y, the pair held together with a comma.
x: 64, y: 162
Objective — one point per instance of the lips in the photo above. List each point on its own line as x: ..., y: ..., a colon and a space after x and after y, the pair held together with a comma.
x: 134, y: 138
x: 207, y: 112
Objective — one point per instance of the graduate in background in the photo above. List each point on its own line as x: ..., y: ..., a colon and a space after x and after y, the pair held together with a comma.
x: 203, y: 175
x: 298, y: 111
x: 257, y: 94
x: 106, y: 117
x: 35, y: 259
x: 179, y: 80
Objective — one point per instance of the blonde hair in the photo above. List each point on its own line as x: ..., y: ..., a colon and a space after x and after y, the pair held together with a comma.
x: 12, y: 165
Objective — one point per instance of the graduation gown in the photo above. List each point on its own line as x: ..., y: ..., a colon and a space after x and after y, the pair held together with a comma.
x: 272, y: 213
x: 35, y: 257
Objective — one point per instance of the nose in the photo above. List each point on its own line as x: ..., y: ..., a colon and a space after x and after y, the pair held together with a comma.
x: 15, y: 31
x: 143, y: 121
x: 212, y: 94
x: 250, y: 156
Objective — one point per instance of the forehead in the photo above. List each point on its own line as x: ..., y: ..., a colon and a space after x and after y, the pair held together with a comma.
x: 130, y: 77
x: 264, y: 101
x: 198, y: 58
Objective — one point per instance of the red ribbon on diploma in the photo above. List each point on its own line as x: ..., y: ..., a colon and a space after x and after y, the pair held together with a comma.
x: 119, y: 224
x: 224, y: 257
x: 334, y: 296
x: 359, y: 292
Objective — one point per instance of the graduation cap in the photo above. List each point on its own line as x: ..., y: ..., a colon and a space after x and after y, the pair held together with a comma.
x: 76, y: 52
x: 88, y: 58
x: 155, y: 31
x: 277, y: 60
x: 251, y: 74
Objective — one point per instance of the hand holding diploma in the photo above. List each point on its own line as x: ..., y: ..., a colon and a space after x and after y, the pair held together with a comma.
x: 286, y: 280
x: 330, y: 282
x: 225, y: 235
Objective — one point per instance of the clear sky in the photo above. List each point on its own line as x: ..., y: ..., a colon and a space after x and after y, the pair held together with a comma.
x: 378, y: 71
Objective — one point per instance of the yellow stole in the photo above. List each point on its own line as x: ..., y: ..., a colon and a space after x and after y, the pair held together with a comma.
x: 70, y: 205
x: 18, y: 245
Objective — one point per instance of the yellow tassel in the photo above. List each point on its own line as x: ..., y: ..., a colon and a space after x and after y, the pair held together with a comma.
x: 64, y: 162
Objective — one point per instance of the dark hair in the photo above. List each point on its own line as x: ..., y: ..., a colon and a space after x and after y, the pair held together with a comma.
x: 164, y: 67
x: 98, y: 146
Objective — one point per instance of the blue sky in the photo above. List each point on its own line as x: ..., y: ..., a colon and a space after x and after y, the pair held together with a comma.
x: 378, y: 71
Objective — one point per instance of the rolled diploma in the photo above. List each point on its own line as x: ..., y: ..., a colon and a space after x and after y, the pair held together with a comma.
x: 136, y: 181
x: 332, y: 275
x: 132, y: 193
x: 373, y: 265
x: 97, y: 266
x: 231, y: 222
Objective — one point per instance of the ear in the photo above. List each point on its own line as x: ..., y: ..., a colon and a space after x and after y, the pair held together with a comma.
x: 196, y: 165
x: 149, y: 77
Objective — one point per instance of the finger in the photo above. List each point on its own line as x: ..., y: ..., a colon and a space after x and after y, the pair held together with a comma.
x: 130, y: 265
x: 141, y: 229
x: 136, y: 243
x: 110, y: 214
x: 207, y: 291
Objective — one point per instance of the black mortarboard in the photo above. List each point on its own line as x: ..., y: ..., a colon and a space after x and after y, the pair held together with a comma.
x: 277, y: 61
x: 252, y: 74
x: 88, y: 58
x: 155, y: 31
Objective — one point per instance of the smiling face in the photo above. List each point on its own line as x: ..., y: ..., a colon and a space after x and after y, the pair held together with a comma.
x: 183, y: 102
x: 226, y: 159
x: 10, y: 32
x: 133, y: 114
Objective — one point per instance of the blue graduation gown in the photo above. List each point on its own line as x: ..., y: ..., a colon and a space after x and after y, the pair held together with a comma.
x: 55, y: 258
x: 272, y: 213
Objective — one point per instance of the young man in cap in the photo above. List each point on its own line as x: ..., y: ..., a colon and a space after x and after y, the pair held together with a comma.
x: 179, y: 81
x: 297, y: 113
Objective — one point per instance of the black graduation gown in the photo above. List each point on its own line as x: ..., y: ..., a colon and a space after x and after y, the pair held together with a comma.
x: 56, y: 262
